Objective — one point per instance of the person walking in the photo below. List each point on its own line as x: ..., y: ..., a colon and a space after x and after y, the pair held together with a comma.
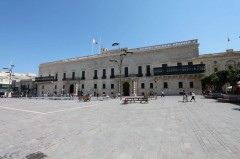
x: 162, y: 95
x: 193, y: 97
x: 185, y: 96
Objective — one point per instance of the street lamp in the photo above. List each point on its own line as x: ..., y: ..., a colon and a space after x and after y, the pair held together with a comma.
x: 124, y: 53
x: 10, y: 76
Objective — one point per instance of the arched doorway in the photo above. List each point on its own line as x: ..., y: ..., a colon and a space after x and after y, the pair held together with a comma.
x: 71, y: 89
x: 126, y: 89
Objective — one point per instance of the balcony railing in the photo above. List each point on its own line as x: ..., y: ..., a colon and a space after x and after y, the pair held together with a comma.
x: 112, y: 76
x: 128, y: 75
x: 173, y: 70
x: 71, y: 79
x: 82, y: 78
x: 148, y: 74
x: 95, y: 77
x: 133, y: 75
x: 24, y: 87
x: 44, y: 79
x: 104, y: 77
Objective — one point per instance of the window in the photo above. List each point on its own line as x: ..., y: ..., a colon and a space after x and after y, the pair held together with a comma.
x: 164, y: 65
x: 191, y: 85
x: 165, y: 85
x: 148, y: 70
x: 112, y: 71
x: 83, y: 74
x: 82, y: 86
x: 126, y: 71
x: 63, y: 86
x: 64, y: 75
x: 104, y: 86
x: 230, y: 67
x: 73, y: 75
x: 112, y: 86
x: 104, y: 74
x: 179, y: 64
x: 151, y: 85
x: 56, y: 76
x: 139, y: 71
x: 95, y: 74
x: 42, y: 86
x: 180, y: 85
x: 95, y: 86
x: 55, y: 86
x: 142, y: 85
x: 215, y: 69
x: 190, y: 63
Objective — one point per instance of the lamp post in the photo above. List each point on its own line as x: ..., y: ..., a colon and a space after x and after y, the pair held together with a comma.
x: 10, y: 76
x: 124, y: 53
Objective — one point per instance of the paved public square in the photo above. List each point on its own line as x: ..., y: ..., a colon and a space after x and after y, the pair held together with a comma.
x: 165, y: 128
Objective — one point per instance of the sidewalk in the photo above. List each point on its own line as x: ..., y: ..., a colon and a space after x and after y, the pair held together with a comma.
x: 165, y: 128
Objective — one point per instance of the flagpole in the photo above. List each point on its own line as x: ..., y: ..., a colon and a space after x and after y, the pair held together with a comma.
x: 228, y: 39
x: 92, y: 47
x: 99, y: 47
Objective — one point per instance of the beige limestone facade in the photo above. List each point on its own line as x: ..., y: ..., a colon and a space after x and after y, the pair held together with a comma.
x: 169, y: 68
x: 10, y: 83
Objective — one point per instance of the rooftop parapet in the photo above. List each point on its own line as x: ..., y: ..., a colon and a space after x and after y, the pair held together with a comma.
x: 107, y: 52
x: 169, y: 45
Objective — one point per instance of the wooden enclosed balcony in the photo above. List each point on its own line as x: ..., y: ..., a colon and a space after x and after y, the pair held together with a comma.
x: 174, y: 70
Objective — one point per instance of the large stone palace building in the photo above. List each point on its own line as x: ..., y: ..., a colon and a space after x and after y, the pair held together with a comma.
x: 168, y: 67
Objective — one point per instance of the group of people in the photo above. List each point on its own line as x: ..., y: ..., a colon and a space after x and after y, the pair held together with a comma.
x: 185, y: 96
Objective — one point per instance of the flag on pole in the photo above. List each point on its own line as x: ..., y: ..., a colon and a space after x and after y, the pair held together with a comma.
x: 94, y: 41
x: 228, y: 39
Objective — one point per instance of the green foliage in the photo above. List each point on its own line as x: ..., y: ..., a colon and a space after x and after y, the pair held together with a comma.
x: 218, y: 79
x: 233, y: 76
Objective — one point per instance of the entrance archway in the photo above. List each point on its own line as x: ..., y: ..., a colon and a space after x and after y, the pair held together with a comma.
x: 71, y: 89
x: 126, y: 88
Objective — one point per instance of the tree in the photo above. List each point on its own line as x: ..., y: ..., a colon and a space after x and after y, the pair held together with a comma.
x: 218, y: 79
x: 222, y: 78
x: 233, y: 78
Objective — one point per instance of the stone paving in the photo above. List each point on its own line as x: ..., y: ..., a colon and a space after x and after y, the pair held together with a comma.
x: 165, y: 128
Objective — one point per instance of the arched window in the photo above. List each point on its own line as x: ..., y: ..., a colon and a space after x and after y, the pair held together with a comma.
x: 230, y: 64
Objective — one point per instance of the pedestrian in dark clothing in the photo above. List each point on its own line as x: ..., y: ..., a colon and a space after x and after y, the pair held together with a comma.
x: 193, y: 97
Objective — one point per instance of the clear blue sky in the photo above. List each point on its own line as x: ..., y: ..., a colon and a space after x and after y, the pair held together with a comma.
x: 39, y: 31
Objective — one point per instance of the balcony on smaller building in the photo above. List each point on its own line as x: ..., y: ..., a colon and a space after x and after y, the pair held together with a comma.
x: 44, y: 79
x: 174, y: 70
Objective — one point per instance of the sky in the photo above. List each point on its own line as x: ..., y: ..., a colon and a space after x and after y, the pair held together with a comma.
x: 39, y: 31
